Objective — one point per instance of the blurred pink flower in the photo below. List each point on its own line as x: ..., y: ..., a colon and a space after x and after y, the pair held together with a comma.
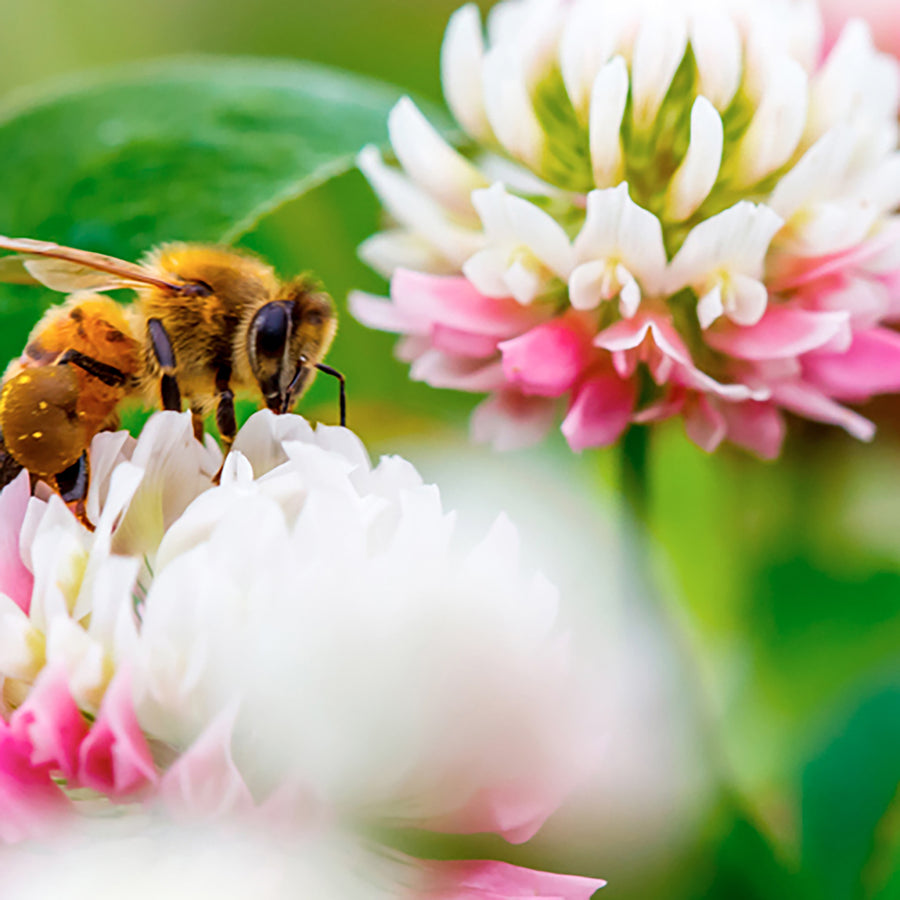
x: 881, y: 16
x: 487, y: 880
x: 16, y: 581
x: 680, y: 212
x: 31, y: 804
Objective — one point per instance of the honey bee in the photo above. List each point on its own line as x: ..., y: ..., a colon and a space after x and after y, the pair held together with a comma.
x: 207, y: 322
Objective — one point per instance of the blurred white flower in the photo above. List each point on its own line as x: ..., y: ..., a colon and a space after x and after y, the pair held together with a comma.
x: 387, y: 668
x: 313, y: 630
x: 148, y: 858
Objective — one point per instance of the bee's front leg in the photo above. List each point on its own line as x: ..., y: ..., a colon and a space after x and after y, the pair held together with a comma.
x: 225, y: 417
x: 170, y: 395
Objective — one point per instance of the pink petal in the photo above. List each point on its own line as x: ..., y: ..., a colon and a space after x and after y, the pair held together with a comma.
x: 508, y: 420
x: 782, y: 332
x: 880, y: 14
x: 806, y: 401
x: 454, y: 302
x: 384, y: 315
x: 630, y: 333
x: 15, y: 579
x: 547, y: 360
x: 870, y: 366
x: 759, y: 427
x: 463, y: 343
x: 488, y: 880
x: 51, y: 723
x: 31, y: 805
x: 600, y: 412
x: 624, y: 335
x: 114, y: 757
x: 442, y: 370
x: 204, y: 782
x: 797, y: 271
x: 516, y: 812
x: 866, y: 300
x: 703, y: 422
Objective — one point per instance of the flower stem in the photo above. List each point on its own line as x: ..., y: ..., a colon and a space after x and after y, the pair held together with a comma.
x: 641, y: 589
x: 635, y: 477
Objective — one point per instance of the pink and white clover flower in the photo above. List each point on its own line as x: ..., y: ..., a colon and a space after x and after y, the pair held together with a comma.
x: 311, y: 639
x: 681, y: 209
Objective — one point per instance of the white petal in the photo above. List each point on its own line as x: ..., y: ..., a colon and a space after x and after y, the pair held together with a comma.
x: 735, y: 240
x: 822, y: 168
x: 608, y: 98
x: 709, y: 306
x: 487, y: 270
x: 21, y: 644
x: 387, y: 251
x: 509, y: 108
x: 658, y: 51
x: 524, y: 282
x: 493, y: 211
x: 430, y: 161
x: 615, y: 226
x: 853, y: 79
x: 699, y: 169
x: 520, y: 224
x: 536, y: 39
x: 541, y: 234
x: 830, y: 227
x: 413, y: 208
x: 586, y: 285
x: 717, y: 49
x: 746, y: 301
x: 593, y: 32
x: 777, y: 125
x: 880, y: 186
x: 462, y: 58
x: 630, y: 296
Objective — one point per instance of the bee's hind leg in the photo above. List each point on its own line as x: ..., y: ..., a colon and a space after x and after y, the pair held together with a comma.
x: 169, y: 392
x: 109, y: 375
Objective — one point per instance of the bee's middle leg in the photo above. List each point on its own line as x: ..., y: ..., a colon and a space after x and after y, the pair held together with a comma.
x: 170, y: 394
x: 197, y: 419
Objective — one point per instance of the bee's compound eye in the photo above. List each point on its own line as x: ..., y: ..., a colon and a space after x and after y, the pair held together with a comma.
x: 39, y: 418
x: 270, y: 330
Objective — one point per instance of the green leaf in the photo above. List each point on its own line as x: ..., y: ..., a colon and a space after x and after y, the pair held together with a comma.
x: 849, y: 793
x: 173, y: 150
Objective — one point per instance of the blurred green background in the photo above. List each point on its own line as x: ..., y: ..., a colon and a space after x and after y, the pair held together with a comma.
x: 768, y: 717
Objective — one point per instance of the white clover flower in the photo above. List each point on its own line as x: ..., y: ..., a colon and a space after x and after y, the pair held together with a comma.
x: 390, y: 670
x: 312, y: 627
x: 696, y: 200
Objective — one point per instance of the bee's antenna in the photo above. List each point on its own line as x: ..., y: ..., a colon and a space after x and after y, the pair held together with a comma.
x: 335, y: 374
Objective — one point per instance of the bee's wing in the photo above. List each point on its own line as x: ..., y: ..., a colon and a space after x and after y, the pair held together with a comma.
x: 67, y: 269
x: 13, y: 271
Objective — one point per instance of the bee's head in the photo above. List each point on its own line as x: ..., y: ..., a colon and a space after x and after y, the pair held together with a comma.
x: 287, y: 337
